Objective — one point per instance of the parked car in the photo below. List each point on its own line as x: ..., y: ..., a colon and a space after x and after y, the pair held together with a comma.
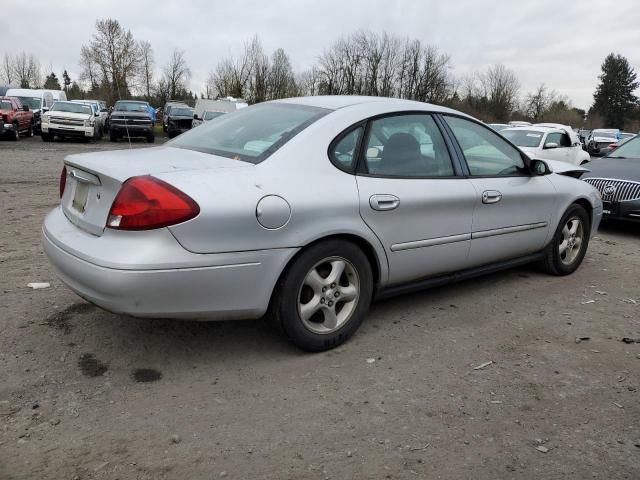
x: 70, y: 120
x: 601, y: 139
x: 129, y: 119
x: 166, y: 111
x: 179, y: 120
x: 583, y: 134
x: 16, y: 118
x: 39, y: 101
x: 548, y: 143
x: 309, y: 207
x: 617, y: 178
x: 223, y: 105
x: 206, y: 116
x: 519, y: 123
x: 624, y: 137
x: 100, y: 116
x: 498, y: 127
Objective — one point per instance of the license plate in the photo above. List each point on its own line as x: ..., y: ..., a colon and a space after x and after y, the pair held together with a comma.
x: 80, y: 196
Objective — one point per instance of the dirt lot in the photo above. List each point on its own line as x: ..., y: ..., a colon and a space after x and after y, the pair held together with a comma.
x: 86, y: 394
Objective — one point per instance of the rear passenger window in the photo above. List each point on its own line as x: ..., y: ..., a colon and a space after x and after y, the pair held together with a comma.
x: 407, y: 146
x: 345, y: 149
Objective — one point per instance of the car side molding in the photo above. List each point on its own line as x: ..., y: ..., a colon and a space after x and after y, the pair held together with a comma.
x: 432, y: 282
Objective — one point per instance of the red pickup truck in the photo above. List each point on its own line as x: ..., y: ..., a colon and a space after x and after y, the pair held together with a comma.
x: 15, y: 118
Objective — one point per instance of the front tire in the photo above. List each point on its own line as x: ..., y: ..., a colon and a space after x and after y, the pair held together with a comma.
x: 16, y: 133
x: 570, y: 241
x: 112, y: 136
x: 46, y: 137
x: 151, y: 138
x: 324, y: 295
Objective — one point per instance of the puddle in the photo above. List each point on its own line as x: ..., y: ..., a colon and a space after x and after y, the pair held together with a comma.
x: 91, y: 366
x: 146, y: 375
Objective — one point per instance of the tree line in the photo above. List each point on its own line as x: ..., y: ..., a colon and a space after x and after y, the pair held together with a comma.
x: 115, y: 65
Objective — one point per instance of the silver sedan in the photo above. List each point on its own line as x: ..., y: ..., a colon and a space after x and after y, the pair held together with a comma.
x: 307, y: 209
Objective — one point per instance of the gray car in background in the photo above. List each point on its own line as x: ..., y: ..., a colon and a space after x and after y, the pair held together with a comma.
x: 308, y: 208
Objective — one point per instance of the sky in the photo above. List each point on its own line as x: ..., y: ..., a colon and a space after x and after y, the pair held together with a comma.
x: 560, y: 44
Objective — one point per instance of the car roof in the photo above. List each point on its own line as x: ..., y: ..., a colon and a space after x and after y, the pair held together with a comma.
x: 532, y: 128
x: 335, y: 102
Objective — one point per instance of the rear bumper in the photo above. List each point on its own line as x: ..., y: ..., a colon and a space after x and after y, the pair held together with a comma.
x: 148, y: 274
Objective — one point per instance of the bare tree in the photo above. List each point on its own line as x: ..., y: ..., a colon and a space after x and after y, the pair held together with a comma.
x: 538, y: 102
x: 282, y: 82
x: 26, y: 70
x: 176, y: 73
x: 500, y: 88
x: 112, y: 57
x: 308, y: 82
x: 7, y: 69
x: 146, y: 69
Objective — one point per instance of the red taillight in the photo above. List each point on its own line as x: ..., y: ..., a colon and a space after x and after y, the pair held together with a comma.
x: 144, y: 203
x: 613, y: 145
x: 63, y: 180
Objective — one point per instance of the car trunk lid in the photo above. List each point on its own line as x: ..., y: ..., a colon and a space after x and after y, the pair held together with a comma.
x: 93, y: 180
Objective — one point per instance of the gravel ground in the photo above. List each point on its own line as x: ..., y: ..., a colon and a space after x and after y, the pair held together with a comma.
x: 87, y: 394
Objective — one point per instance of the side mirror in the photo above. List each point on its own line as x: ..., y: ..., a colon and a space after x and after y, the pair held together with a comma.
x: 97, y: 114
x: 45, y: 109
x: 195, y: 116
x: 550, y: 145
x: 25, y: 108
x: 539, y: 167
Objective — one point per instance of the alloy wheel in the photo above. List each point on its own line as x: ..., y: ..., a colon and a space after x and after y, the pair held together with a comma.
x: 329, y: 295
x: 572, y: 240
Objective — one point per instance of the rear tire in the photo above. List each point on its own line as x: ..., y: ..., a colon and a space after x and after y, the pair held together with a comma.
x: 569, y: 245
x: 324, y: 295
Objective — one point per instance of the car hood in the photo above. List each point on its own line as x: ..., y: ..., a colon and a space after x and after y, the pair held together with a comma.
x: 82, y: 116
x: 122, y: 113
x: 5, y: 112
x: 611, y: 167
x: 180, y: 117
x: 560, y: 167
x: 124, y: 164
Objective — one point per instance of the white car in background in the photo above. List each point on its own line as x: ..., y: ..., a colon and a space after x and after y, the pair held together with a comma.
x: 548, y: 142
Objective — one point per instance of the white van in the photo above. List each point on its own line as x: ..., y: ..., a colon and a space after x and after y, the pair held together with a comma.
x: 58, y: 95
x: 39, y: 101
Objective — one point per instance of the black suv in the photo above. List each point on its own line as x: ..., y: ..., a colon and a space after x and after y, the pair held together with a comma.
x: 179, y: 120
x: 130, y: 118
x: 166, y: 112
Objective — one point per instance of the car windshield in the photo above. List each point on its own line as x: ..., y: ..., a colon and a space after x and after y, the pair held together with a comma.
x: 182, y: 112
x: 71, y: 108
x: 523, y: 138
x: 5, y: 105
x: 211, y: 115
x: 33, y: 102
x: 250, y: 134
x: 629, y: 149
x: 130, y: 107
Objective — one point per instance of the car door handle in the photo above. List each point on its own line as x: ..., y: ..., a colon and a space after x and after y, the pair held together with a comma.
x: 384, y: 202
x: 491, y: 196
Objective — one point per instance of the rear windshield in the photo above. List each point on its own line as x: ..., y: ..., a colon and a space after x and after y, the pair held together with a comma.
x: 523, y: 138
x: 605, y: 134
x: 71, y: 108
x: 130, y: 107
x: 629, y: 149
x: 250, y: 134
x: 33, y: 102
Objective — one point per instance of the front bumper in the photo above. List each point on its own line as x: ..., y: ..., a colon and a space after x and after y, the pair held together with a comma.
x: 131, y: 130
x: 68, y: 131
x: 149, y: 274
x: 627, y: 210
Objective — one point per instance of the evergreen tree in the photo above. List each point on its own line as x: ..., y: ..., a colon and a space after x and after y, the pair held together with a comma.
x: 51, y: 82
x: 614, y: 99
